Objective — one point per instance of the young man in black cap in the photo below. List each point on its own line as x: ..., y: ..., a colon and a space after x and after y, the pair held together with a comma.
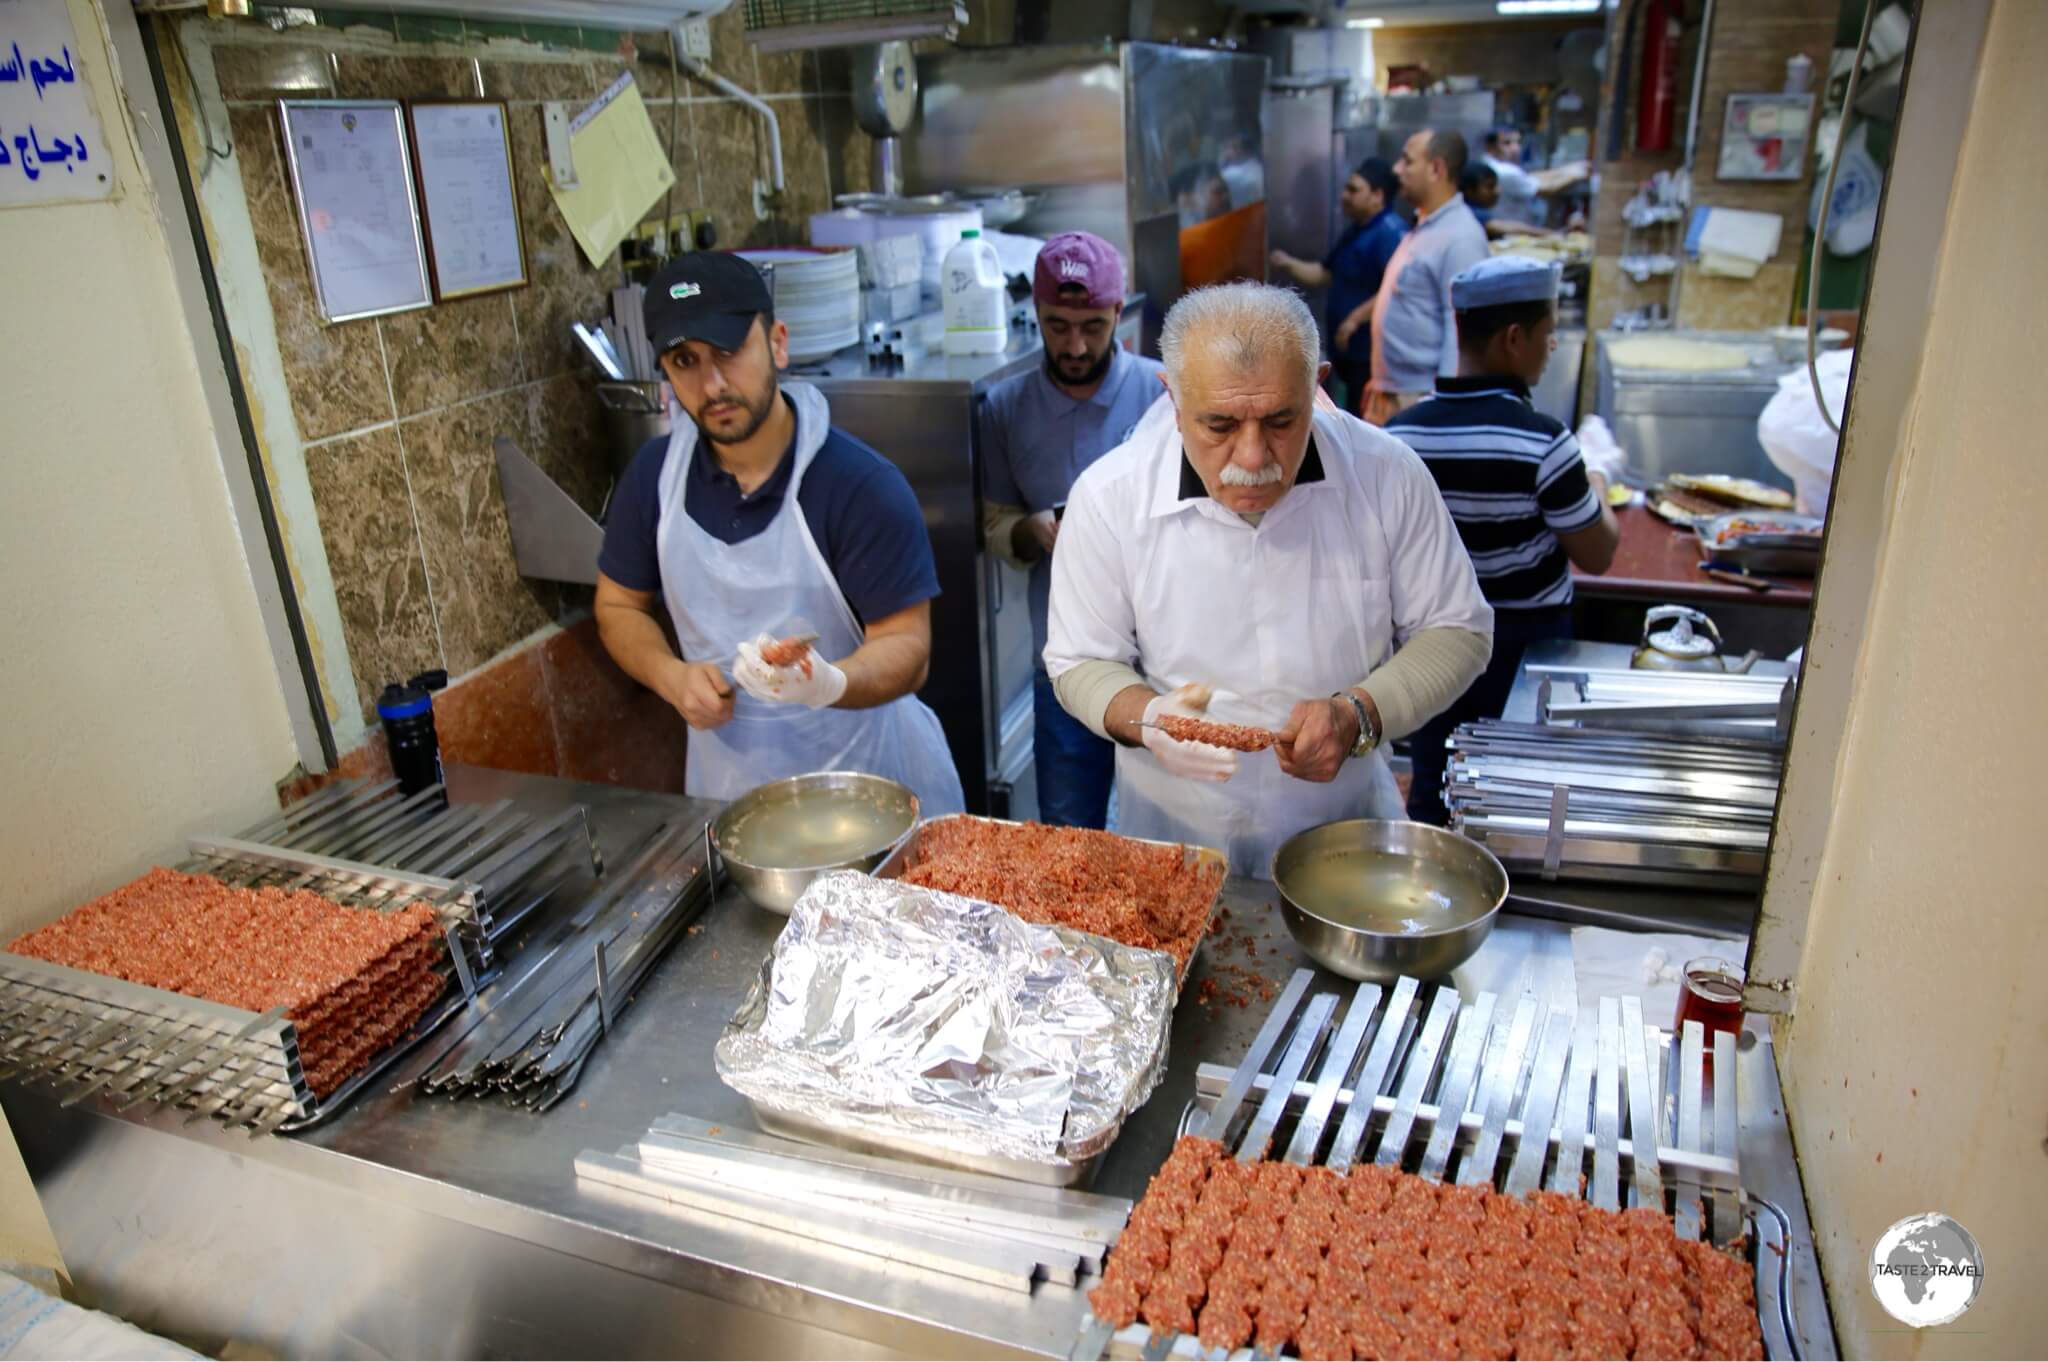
x: 1516, y: 485
x: 753, y: 521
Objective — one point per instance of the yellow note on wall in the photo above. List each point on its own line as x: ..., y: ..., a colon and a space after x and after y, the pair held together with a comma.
x: 620, y: 172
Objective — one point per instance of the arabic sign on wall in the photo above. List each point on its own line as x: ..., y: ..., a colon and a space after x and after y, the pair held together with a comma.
x: 51, y: 149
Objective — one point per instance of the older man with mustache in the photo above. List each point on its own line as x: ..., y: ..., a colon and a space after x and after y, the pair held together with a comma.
x: 1252, y: 557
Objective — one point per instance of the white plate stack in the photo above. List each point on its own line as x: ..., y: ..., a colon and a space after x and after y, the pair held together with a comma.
x: 817, y: 295
x: 938, y: 226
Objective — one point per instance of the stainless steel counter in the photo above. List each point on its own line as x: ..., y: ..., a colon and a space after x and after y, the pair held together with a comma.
x: 420, y: 1227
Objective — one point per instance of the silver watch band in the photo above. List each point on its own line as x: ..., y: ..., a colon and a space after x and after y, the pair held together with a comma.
x: 1368, y: 732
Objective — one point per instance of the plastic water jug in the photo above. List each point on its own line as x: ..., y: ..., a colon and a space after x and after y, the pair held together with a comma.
x: 977, y: 305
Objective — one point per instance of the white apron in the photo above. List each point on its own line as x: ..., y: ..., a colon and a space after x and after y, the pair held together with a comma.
x: 1268, y: 616
x: 720, y: 595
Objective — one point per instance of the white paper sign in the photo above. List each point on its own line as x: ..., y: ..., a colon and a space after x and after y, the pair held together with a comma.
x: 51, y: 148
x: 465, y: 163
x: 353, y: 176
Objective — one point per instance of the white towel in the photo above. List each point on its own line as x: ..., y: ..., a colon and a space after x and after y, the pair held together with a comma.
x: 1733, y: 236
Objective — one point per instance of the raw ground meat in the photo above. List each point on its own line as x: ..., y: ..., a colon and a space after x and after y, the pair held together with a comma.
x: 1236, y: 737
x: 1145, y: 895
x: 351, y: 980
x: 789, y: 652
x: 1376, y: 1263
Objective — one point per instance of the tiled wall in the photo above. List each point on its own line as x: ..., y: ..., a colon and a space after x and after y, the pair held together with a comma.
x: 1747, y: 51
x: 394, y: 417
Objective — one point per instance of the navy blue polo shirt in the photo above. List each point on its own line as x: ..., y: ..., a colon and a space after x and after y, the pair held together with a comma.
x: 1356, y: 264
x: 858, y: 506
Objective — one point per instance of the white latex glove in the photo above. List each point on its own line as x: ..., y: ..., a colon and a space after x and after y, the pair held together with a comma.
x: 1598, y: 448
x: 787, y: 685
x: 1188, y: 760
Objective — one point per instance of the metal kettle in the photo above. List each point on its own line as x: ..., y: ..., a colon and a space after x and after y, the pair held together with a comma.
x: 1691, y: 644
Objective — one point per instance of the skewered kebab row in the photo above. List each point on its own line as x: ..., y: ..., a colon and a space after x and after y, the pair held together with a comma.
x: 1376, y: 1263
x: 1236, y: 737
x: 351, y: 980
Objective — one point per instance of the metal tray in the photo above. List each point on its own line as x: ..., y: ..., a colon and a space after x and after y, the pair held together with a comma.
x: 1076, y: 1171
x: 1790, y: 554
x: 1497, y: 1091
x: 899, y: 860
x: 797, y: 1126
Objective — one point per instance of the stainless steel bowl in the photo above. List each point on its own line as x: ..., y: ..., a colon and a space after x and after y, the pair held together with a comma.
x: 777, y: 838
x: 1373, y: 899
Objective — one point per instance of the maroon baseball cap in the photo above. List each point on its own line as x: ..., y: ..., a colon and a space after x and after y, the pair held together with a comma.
x: 1079, y: 258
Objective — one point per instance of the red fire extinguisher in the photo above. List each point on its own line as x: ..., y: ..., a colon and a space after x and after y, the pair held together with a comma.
x: 1657, y: 101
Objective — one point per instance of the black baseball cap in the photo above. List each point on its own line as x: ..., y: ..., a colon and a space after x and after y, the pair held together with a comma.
x: 709, y: 296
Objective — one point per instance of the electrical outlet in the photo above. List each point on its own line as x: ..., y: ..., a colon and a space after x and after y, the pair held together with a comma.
x: 647, y: 239
x: 696, y: 35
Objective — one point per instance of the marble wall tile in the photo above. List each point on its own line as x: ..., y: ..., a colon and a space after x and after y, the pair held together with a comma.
x: 732, y: 56
x: 482, y: 603
x: 806, y: 175
x: 500, y: 717
x: 569, y: 438
x: 783, y: 73
x: 359, y: 75
x: 273, y: 71
x: 731, y: 155
x: 564, y: 287
x: 672, y: 128
x: 452, y: 351
x: 651, y: 69
x: 374, y: 554
x: 335, y: 372
x: 849, y: 152
x: 543, y: 312
x: 543, y: 79
x: 608, y: 726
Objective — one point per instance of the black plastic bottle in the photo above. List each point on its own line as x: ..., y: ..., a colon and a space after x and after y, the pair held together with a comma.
x: 408, y: 714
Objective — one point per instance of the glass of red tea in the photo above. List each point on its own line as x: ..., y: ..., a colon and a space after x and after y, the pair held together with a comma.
x: 1710, y: 993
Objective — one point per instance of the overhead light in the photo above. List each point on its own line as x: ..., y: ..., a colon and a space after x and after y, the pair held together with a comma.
x: 1374, y: 22
x: 1546, y: 6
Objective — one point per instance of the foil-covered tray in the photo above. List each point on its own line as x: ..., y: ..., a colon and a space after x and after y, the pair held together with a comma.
x: 906, y: 855
x: 908, y: 1021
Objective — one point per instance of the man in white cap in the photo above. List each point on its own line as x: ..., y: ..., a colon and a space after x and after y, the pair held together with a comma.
x: 1254, y: 557
x: 1526, y: 506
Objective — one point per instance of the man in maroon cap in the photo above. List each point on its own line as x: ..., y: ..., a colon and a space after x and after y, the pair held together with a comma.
x: 1039, y: 430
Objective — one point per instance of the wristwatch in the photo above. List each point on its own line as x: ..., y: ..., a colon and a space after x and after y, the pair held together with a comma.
x: 1368, y: 731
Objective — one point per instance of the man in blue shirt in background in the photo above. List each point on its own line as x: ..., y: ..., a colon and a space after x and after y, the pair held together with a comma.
x: 1039, y: 430
x: 1353, y: 269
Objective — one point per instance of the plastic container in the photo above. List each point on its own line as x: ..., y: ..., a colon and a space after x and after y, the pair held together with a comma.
x: 407, y: 712
x: 977, y: 305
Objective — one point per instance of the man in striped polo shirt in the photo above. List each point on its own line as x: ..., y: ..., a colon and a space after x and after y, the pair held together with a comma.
x: 1523, y: 500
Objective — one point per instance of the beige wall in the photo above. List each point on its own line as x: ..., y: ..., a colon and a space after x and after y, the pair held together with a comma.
x: 142, y: 702
x: 1916, y: 1057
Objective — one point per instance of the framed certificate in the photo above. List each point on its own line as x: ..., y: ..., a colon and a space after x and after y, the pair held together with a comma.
x: 1764, y: 137
x: 462, y: 156
x: 352, y: 175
